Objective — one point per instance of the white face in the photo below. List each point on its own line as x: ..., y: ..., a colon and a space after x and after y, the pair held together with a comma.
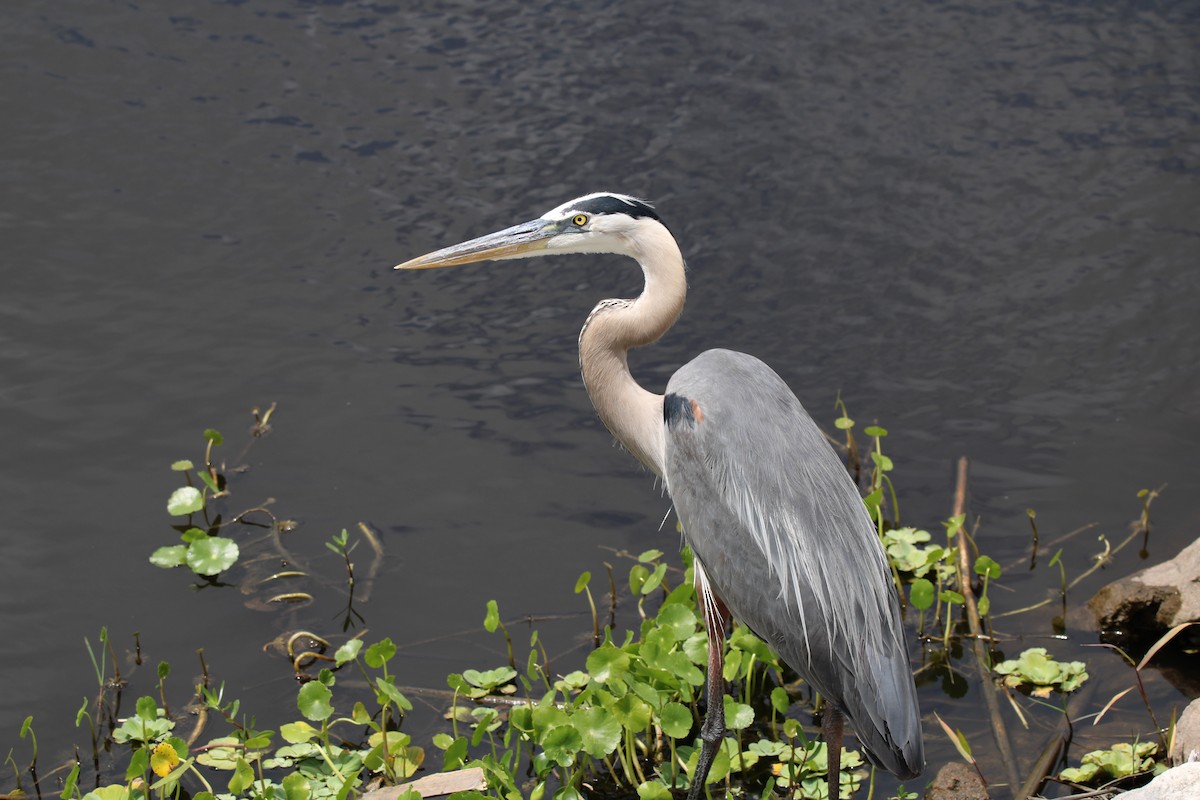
x: 583, y: 231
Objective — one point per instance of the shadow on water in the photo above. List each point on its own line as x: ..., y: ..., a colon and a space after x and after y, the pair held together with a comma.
x: 977, y: 224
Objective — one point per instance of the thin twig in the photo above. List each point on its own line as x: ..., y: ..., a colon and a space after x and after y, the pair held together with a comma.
x: 1056, y: 743
x: 999, y: 730
x: 376, y: 545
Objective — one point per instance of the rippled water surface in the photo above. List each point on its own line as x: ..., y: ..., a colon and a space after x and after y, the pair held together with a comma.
x: 977, y: 222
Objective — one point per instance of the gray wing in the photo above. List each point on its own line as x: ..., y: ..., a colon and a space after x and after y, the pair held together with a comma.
x: 786, y: 542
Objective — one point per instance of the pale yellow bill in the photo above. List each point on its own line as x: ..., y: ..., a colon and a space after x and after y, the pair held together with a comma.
x: 509, y: 243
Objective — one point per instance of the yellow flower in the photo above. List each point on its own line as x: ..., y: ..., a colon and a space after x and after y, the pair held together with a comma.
x: 163, y: 759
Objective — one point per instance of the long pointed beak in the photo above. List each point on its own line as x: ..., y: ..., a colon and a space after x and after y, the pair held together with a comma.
x: 515, y: 242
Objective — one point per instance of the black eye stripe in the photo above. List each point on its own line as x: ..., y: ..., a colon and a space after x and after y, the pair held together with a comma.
x: 607, y: 204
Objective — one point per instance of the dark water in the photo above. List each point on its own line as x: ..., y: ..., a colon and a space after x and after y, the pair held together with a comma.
x: 977, y: 222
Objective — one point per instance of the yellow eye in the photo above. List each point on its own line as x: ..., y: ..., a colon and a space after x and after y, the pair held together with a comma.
x: 580, y: 220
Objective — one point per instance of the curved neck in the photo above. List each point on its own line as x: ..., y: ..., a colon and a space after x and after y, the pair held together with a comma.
x: 632, y: 414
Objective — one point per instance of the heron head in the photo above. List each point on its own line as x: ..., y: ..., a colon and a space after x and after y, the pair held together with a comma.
x: 602, y: 222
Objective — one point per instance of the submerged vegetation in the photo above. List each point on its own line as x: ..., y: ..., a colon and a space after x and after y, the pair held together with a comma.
x: 625, y: 723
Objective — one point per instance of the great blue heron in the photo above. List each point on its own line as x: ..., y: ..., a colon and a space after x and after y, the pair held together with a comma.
x: 780, y: 534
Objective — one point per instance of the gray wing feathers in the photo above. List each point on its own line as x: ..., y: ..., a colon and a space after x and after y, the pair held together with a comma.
x: 788, y: 545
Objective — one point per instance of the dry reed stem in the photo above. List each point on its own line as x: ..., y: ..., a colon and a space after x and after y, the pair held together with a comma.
x: 999, y: 729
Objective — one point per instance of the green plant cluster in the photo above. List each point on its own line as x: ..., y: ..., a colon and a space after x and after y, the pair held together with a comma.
x: 311, y: 762
x: 627, y: 723
x: 1120, y: 761
x: 1035, y: 670
x: 201, y: 551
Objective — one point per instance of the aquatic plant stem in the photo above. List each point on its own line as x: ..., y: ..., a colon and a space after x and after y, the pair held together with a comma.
x: 999, y: 730
x: 1056, y: 743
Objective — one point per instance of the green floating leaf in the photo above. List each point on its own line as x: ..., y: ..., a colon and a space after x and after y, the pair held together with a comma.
x: 599, y: 730
x: 676, y: 720
x: 744, y: 639
x: 491, y: 678
x: 653, y: 790
x: 243, y: 776
x: 633, y: 712
x: 314, y: 701
x: 212, y: 555
x: 678, y: 620
x: 297, y: 732
x: 1085, y: 773
x: 637, y: 578
x: 295, y: 787
x: 348, y: 652
x: 209, y: 481
x: 607, y: 662
x: 167, y: 557
x: 921, y: 594
x: 388, y: 690
x: 459, y: 684
x: 492, y: 620
x: 520, y: 718
x: 1035, y: 668
x: 193, y: 535
x: 138, y: 764
x: 719, y: 768
x: 572, y: 681
x: 223, y: 753
x: 380, y: 653
x: 583, y: 581
x: 68, y: 789
x: 182, y: 466
x: 562, y: 744
x: 544, y: 718
x: 737, y: 715
x: 986, y: 566
x: 656, y: 577
x: 146, y: 708
x: 213, y: 436
x: 118, y: 791
x: 185, y: 500
x: 1121, y: 761
x: 910, y: 535
x: 951, y: 596
x: 455, y: 755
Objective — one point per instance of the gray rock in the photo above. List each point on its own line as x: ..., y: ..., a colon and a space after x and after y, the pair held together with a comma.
x: 1148, y: 603
x: 1187, y: 735
x: 957, y: 781
x: 1177, y: 783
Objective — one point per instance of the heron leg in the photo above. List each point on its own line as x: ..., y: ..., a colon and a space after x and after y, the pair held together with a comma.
x: 831, y: 726
x: 712, y: 731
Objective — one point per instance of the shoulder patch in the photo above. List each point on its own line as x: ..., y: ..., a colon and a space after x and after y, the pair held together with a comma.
x: 678, y: 409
